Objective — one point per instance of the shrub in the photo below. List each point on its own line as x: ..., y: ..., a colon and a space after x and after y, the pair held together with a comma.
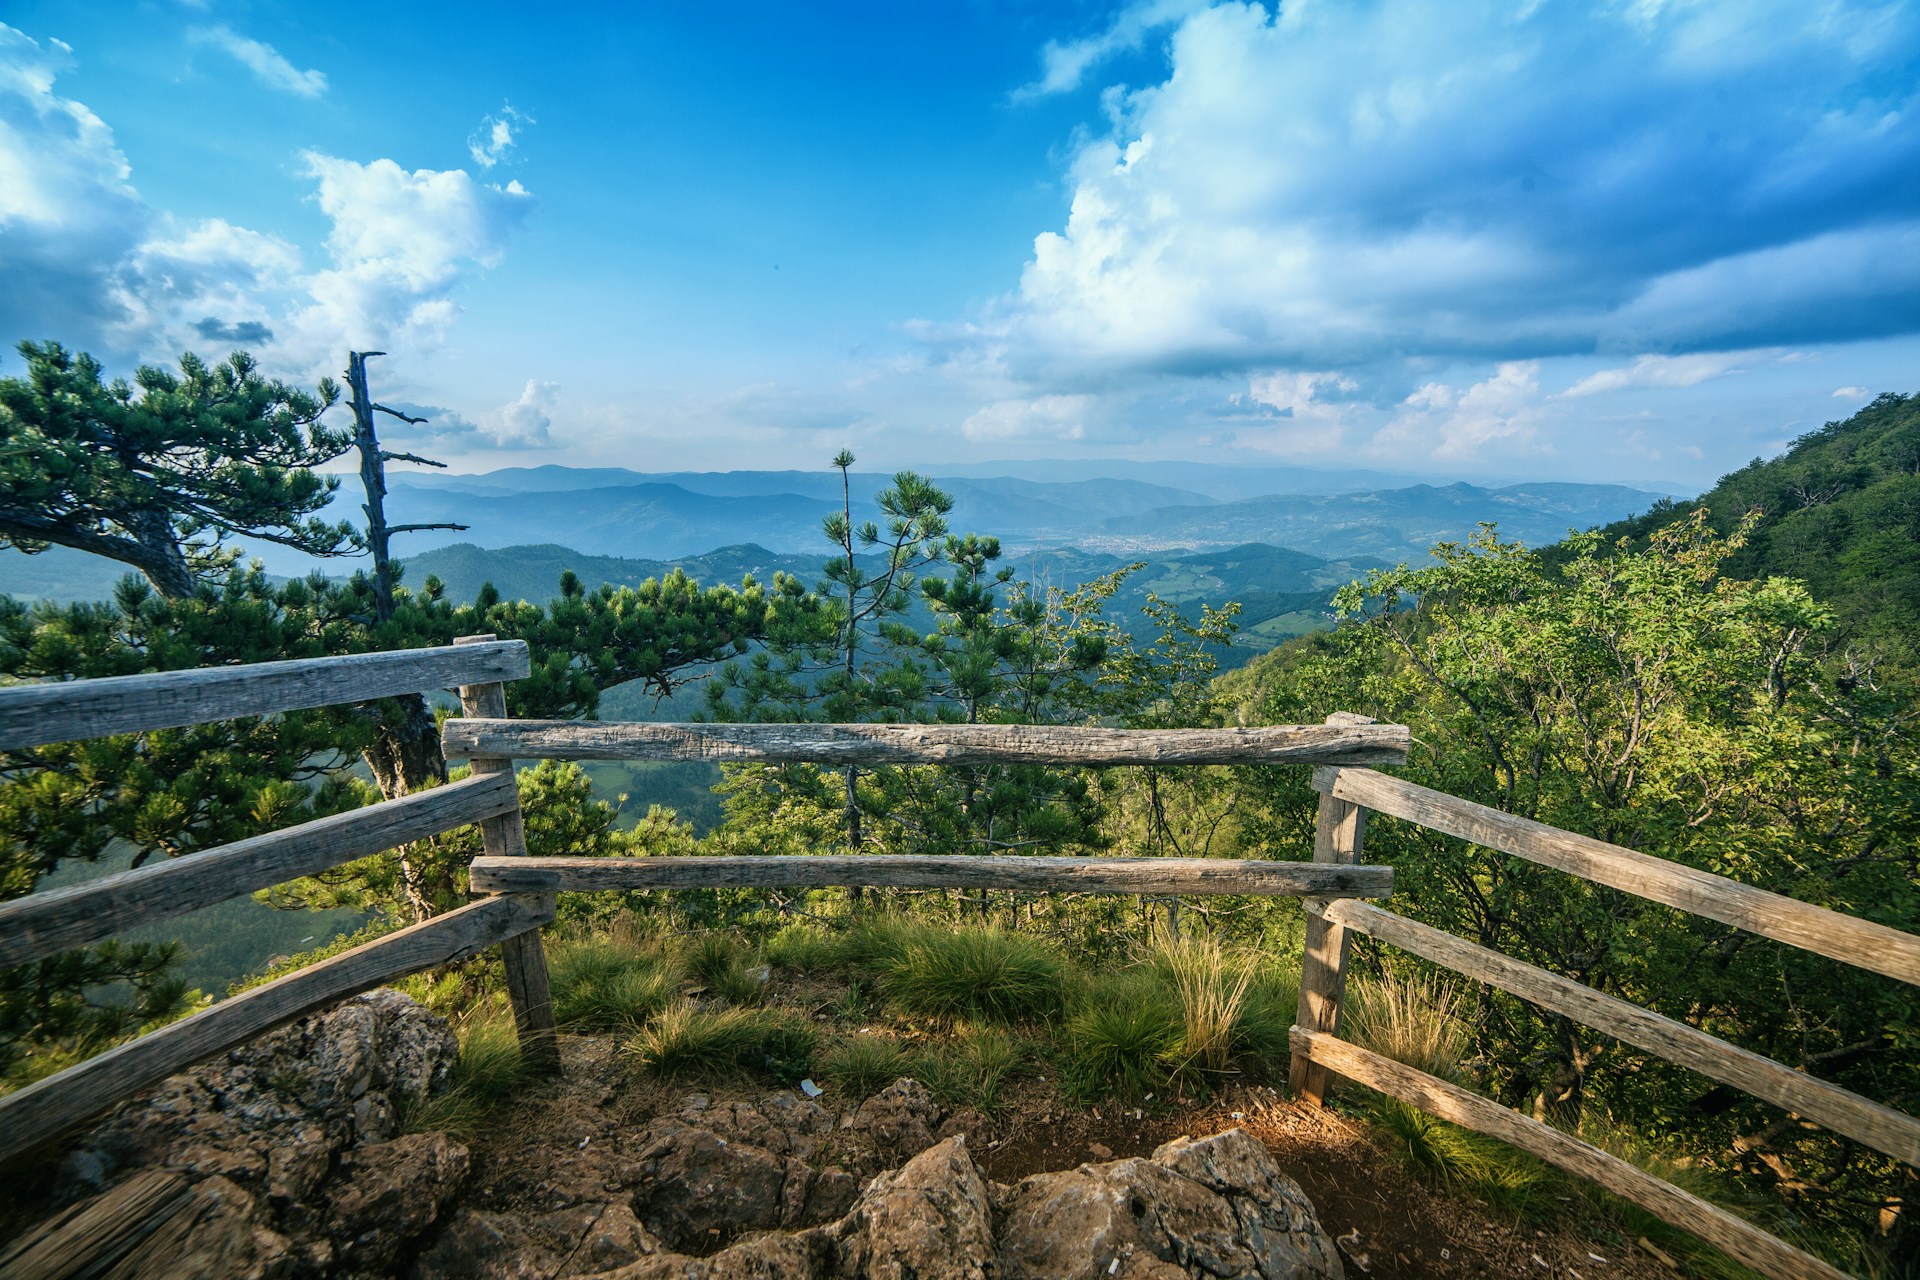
x: 976, y: 973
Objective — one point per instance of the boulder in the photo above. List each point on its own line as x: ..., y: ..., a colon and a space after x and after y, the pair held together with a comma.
x: 388, y: 1194
x: 928, y: 1220
x: 1216, y: 1207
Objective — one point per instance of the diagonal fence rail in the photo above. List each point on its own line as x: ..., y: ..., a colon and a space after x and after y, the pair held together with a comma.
x: 1347, y: 797
x: 38, y: 925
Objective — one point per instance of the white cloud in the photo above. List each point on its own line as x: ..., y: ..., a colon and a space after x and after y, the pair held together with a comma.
x: 1339, y: 184
x: 87, y: 261
x: 1065, y: 63
x: 1851, y: 393
x: 401, y: 242
x: 1304, y: 422
x: 1663, y: 371
x: 68, y: 212
x: 496, y: 135
x: 1043, y: 417
x: 524, y: 422
x: 1447, y: 424
x: 265, y: 61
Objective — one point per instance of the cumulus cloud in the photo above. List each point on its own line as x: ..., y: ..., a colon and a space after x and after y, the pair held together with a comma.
x: 1308, y: 413
x: 266, y: 62
x: 1332, y: 184
x: 400, y: 243
x: 1447, y: 423
x: 523, y: 423
x: 68, y: 212
x: 87, y: 260
x: 1851, y: 393
x: 496, y: 135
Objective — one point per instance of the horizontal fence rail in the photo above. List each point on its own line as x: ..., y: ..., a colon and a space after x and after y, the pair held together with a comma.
x: 1738, y: 1239
x: 1862, y: 943
x: 48, y: 1107
x: 1036, y: 874
x: 33, y: 715
x: 1840, y: 1110
x: 43, y: 924
x: 910, y: 744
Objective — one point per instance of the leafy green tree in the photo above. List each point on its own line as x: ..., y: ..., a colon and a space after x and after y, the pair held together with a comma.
x: 158, y: 473
x: 1642, y: 696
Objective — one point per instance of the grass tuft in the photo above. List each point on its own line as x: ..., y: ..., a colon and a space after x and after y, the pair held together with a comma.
x: 970, y: 1070
x: 485, y: 1075
x: 1127, y: 1027
x: 1411, y: 1019
x: 602, y: 985
x: 807, y: 949
x: 684, y: 1039
x: 1211, y: 986
x: 976, y: 973
x: 865, y: 1064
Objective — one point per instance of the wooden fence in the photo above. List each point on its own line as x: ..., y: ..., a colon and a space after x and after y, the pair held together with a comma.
x: 42, y: 924
x: 1348, y: 795
x: 520, y: 890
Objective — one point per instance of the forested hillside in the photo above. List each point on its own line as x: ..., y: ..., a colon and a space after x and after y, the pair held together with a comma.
x: 1840, y: 511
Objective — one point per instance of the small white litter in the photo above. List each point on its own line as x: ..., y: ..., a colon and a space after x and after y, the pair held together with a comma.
x: 811, y: 1089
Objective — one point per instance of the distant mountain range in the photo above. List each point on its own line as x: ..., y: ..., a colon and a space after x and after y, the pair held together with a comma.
x: 1161, y: 511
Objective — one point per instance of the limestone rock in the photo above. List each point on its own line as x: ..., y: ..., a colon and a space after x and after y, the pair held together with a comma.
x: 899, y: 1120
x: 929, y: 1220
x: 699, y: 1191
x: 388, y: 1194
x: 1217, y: 1207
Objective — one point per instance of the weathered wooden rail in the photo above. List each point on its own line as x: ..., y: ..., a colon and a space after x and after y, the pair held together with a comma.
x: 42, y: 924
x: 521, y: 890
x: 1348, y: 795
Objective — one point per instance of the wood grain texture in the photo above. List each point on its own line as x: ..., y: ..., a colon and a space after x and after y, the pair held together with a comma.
x: 524, y: 958
x: 1339, y: 831
x: 88, y: 1238
x: 1841, y: 1110
x: 1870, y: 946
x: 48, y: 1107
x: 43, y: 924
x: 33, y: 715
x: 1032, y: 875
x: 1734, y: 1237
x: 905, y: 744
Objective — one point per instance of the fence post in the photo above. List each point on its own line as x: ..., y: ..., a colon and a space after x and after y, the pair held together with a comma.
x: 1338, y: 832
x: 505, y: 836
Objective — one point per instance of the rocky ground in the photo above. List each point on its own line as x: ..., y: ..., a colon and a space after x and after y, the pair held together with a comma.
x: 287, y: 1159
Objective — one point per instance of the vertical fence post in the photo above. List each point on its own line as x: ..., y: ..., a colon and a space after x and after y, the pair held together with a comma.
x: 1338, y: 832
x: 505, y: 836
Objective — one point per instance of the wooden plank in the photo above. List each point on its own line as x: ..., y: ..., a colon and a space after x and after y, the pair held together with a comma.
x: 904, y: 744
x: 1339, y: 831
x: 33, y: 715
x: 1870, y: 946
x: 49, y: 1107
x: 523, y: 958
x: 87, y: 1239
x: 1738, y: 1239
x: 933, y: 871
x: 1841, y: 1110
x: 43, y: 924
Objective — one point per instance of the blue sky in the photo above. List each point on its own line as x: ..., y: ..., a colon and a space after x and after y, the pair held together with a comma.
x: 1636, y: 241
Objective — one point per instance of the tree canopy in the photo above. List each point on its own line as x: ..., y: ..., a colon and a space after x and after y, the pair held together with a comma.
x: 158, y: 473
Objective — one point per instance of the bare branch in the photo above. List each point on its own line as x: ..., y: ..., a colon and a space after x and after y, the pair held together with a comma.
x: 395, y: 413
x: 386, y: 456
x: 416, y: 528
